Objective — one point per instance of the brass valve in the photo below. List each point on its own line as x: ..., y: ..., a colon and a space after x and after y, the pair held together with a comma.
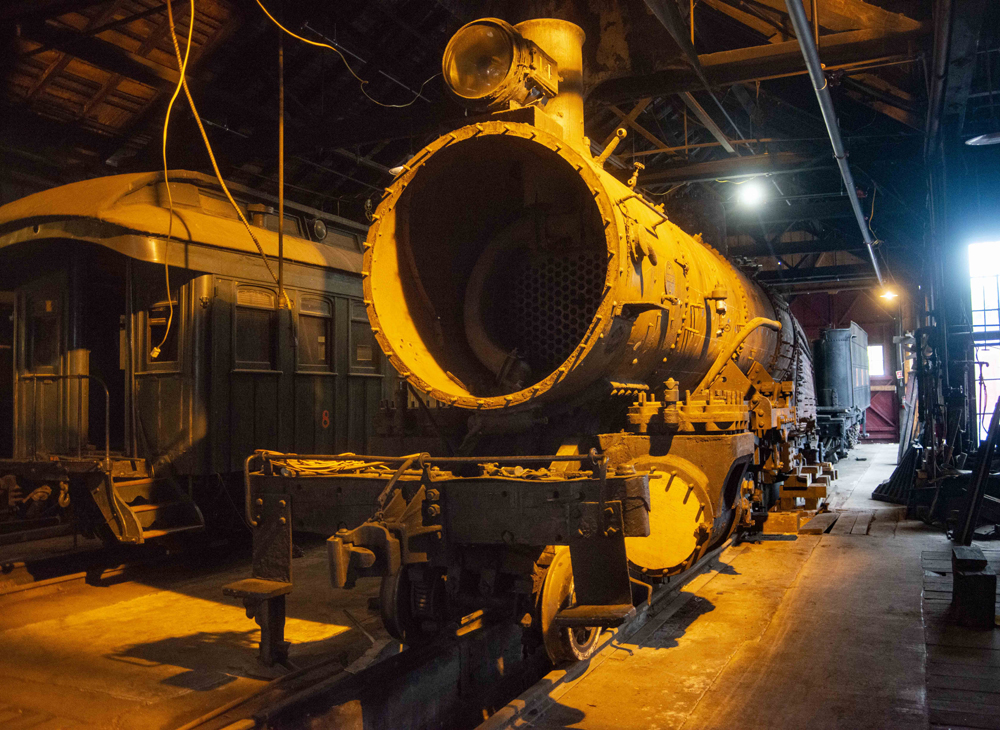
x: 636, y: 166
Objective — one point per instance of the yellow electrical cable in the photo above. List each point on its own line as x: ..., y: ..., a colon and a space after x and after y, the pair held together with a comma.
x: 343, y: 58
x: 155, y: 352
x: 211, y: 155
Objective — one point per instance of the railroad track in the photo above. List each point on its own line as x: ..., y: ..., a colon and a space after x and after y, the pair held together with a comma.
x: 32, y: 576
x: 475, y: 678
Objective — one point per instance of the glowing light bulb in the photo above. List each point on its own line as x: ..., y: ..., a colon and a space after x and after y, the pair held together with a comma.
x: 888, y: 294
x: 751, y: 194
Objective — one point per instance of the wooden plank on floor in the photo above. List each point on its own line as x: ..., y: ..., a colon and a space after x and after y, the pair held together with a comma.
x: 957, y: 695
x: 845, y: 523
x: 988, y: 684
x: 943, y: 595
x: 950, y: 635
x: 884, y: 524
x: 963, y: 655
x: 952, y: 719
x: 946, y: 715
x: 819, y: 524
x: 947, y: 669
x: 861, y: 524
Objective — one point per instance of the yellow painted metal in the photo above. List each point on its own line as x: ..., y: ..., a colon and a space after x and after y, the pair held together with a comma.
x: 506, y: 268
x: 136, y: 203
x: 678, y: 503
x: 563, y: 41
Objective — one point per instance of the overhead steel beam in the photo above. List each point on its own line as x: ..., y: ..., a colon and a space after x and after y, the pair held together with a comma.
x: 774, y: 213
x: 709, y: 123
x: 818, y: 76
x: 666, y: 12
x: 770, y: 61
x: 787, y: 248
x: 735, y: 167
x: 962, y: 49
x: 825, y: 274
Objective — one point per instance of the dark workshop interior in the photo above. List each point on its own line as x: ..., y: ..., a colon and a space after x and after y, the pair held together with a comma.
x: 471, y: 364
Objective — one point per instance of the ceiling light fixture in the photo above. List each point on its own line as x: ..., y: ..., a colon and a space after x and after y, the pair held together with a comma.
x: 984, y: 139
x: 751, y: 193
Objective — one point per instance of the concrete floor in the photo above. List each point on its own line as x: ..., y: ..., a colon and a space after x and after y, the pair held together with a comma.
x: 158, y: 653
x: 821, y: 632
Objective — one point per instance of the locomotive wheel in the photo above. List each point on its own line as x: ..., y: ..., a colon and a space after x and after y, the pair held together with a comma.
x: 398, y: 599
x: 563, y: 644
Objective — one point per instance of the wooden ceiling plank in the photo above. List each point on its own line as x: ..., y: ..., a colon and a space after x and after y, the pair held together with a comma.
x: 632, y: 115
x: 637, y: 127
x: 63, y: 59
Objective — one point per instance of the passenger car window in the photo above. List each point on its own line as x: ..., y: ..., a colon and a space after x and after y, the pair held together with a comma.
x: 255, y: 328
x: 44, y: 331
x: 156, y: 326
x: 315, y: 335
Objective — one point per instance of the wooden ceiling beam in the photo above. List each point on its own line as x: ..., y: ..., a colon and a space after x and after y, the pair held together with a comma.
x: 758, y: 63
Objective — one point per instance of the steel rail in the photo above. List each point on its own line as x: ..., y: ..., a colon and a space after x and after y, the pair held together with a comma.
x: 804, y: 34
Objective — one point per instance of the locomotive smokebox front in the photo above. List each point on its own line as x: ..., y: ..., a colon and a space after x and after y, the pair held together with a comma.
x: 506, y: 268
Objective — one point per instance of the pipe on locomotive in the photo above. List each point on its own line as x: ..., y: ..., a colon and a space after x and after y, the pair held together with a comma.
x: 505, y: 268
x: 797, y: 14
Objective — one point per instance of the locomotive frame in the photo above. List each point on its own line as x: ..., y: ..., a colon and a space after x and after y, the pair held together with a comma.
x: 120, y: 439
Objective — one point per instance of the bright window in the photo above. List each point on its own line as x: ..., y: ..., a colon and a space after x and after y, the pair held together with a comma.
x: 984, y: 280
x: 876, y: 361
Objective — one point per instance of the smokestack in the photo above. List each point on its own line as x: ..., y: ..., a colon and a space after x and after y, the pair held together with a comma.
x: 563, y: 41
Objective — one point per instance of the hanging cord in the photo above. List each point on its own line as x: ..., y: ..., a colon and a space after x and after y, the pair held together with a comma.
x: 155, y: 352
x: 343, y: 58
x: 211, y: 155
x: 982, y: 396
x: 871, y: 216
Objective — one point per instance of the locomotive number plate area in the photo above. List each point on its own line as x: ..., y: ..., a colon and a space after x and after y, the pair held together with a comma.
x: 510, y: 511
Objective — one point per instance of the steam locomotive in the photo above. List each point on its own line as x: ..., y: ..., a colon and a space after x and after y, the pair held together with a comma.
x: 99, y: 434
x: 615, y: 398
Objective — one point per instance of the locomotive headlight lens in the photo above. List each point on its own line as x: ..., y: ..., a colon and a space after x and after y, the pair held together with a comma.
x: 478, y: 59
x: 489, y: 65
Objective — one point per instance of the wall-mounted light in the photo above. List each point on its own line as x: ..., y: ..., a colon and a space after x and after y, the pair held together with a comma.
x: 888, y: 294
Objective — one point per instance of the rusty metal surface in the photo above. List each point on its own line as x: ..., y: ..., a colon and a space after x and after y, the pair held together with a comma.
x: 623, y: 293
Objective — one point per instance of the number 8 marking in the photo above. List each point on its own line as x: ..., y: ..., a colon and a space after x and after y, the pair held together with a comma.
x: 326, y: 419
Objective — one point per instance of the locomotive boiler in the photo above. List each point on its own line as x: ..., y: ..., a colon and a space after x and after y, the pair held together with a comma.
x: 618, y: 397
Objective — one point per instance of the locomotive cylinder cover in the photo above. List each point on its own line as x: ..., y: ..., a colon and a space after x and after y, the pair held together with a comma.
x: 505, y: 268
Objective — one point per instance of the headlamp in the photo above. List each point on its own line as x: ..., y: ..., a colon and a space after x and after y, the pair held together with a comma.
x: 488, y: 64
